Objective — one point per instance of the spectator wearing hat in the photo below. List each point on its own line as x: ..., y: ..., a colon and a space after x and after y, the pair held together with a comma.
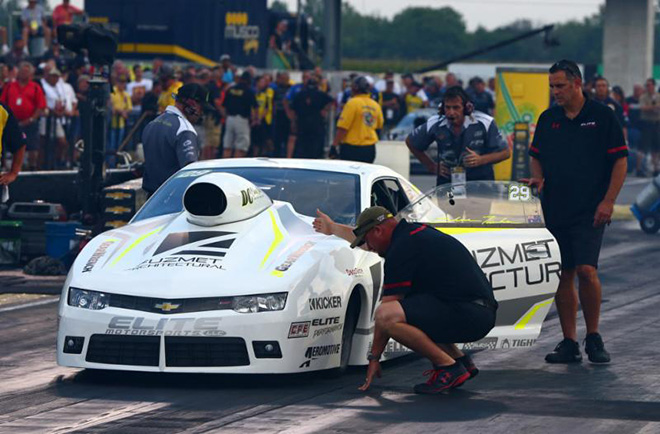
x: 228, y: 70
x: 59, y: 104
x: 26, y: 100
x: 240, y: 111
x: 170, y: 87
x: 170, y: 141
x: 121, y: 108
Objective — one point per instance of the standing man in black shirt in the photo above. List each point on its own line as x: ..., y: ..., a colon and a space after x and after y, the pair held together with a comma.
x: 240, y: 110
x: 310, y: 107
x: 578, y: 163
x: 434, y: 294
x: 281, y: 122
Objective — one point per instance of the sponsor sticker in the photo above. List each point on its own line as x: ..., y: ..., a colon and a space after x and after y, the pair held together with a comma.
x: 395, y: 348
x: 98, y: 254
x: 322, y: 303
x: 483, y: 344
x: 141, y: 326
x: 354, y: 272
x: 180, y: 261
x: 326, y: 326
x: 299, y: 329
x: 517, y: 343
x: 293, y: 257
x: 313, y: 353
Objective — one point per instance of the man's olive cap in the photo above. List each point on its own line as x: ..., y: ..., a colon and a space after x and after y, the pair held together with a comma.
x: 367, y: 220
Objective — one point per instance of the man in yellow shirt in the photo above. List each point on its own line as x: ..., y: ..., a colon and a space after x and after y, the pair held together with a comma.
x: 170, y: 87
x: 357, y: 125
x: 121, y: 107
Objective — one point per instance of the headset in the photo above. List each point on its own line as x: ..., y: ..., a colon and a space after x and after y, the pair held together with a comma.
x: 457, y: 92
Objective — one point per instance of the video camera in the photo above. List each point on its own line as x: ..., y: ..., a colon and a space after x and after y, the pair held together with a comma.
x: 100, y: 43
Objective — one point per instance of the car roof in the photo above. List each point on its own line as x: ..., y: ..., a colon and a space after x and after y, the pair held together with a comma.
x: 343, y: 166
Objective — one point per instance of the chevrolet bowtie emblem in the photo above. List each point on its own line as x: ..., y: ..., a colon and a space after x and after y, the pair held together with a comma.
x: 166, y: 307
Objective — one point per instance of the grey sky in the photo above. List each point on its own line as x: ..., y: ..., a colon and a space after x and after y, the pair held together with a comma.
x: 487, y: 13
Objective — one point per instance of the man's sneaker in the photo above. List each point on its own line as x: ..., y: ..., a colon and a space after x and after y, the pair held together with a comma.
x: 595, y: 349
x: 469, y: 365
x: 567, y: 351
x: 443, y: 378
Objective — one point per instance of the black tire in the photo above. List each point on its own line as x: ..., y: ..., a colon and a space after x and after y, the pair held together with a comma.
x: 650, y: 224
x: 350, y: 324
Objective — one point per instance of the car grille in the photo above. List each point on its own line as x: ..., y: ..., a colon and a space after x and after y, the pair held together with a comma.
x: 194, y: 352
x: 124, y: 350
x: 165, y: 306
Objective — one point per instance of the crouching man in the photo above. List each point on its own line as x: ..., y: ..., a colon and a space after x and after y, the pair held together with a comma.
x: 434, y: 294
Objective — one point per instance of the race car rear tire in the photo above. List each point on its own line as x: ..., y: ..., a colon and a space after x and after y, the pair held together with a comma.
x: 350, y: 324
x: 650, y: 224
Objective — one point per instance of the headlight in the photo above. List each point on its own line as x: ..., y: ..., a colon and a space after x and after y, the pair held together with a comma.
x: 88, y: 299
x: 260, y: 303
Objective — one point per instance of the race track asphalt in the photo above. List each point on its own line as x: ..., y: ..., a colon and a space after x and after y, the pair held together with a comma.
x: 515, y: 391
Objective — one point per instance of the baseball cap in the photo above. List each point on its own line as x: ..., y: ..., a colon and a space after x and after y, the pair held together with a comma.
x: 196, y: 92
x: 367, y: 220
x: 225, y: 57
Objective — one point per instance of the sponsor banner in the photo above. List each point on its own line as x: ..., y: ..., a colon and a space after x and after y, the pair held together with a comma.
x: 322, y: 303
x: 355, y: 272
x: 140, y: 326
x: 483, y: 344
x: 299, y: 329
x: 395, y: 348
x: 326, y: 326
x: 516, y: 343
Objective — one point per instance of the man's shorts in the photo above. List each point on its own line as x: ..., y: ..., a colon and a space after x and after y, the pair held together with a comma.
x: 365, y: 154
x: 237, y: 133
x: 31, y: 136
x: 55, y: 124
x: 579, y: 244
x: 651, y: 137
x: 448, y: 322
x: 211, y: 133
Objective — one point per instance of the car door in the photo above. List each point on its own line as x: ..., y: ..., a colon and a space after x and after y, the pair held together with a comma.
x: 501, y: 224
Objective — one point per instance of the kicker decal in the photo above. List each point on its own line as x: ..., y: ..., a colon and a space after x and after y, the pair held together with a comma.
x: 321, y: 303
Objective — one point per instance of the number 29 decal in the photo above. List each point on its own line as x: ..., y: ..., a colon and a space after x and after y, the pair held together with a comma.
x: 520, y: 192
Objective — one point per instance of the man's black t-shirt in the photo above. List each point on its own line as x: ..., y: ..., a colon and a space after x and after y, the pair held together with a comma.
x: 308, y: 104
x: 239, y: 101
x: 421, y: 259
x: 391, y: 114
x: 576, y: 156
x: 615, y: 107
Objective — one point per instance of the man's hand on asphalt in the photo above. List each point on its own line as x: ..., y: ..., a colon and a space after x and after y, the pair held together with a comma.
x: 7, y: 178
x: 372, y: 371
x: 472, y: 159
x: 604, y: 213
x: 322, y: 223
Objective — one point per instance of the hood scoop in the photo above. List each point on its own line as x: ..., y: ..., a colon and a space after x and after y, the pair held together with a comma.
x: 221, y: 198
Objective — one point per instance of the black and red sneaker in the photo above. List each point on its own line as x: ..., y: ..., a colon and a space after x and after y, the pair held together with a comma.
x: 469, y: 365
x: 443, y: 378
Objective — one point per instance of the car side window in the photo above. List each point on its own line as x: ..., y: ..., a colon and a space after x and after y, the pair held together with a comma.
x: 388, y: 194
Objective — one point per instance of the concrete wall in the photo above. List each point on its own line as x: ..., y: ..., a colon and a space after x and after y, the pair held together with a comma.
x: 628, y: 42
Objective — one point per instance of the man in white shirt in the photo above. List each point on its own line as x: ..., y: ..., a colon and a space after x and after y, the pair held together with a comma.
x: 60, y: 103
x: 138, y: 88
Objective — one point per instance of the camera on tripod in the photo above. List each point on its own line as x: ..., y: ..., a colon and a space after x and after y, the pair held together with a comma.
x: 100, y: 43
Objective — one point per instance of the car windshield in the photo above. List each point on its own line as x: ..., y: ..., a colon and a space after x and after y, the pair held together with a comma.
x: 336, y: 194
x: 477, y: 203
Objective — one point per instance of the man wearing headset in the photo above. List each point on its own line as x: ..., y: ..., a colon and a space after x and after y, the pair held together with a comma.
x: 170, y: 141
x: 469, y: 142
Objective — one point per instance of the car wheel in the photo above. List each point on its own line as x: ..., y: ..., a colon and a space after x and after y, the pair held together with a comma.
x: 350, y: 323
x: 650, y: 224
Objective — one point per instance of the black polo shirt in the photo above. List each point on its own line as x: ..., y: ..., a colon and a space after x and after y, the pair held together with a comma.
x: 240, y: 100
x: 577, y: 156
x: 308, y: 105
x: 421, y: 259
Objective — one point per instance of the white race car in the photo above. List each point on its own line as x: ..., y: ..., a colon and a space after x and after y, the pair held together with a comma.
x: 221, y: 271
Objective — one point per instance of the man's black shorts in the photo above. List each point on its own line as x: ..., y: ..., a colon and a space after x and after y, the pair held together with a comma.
x: 579, y: 244
x: 448, y: 322
x: 651, y: 136
x: 365, y: 154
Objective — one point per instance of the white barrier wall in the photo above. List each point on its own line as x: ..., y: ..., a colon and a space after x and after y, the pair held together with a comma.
x: 394, y: 155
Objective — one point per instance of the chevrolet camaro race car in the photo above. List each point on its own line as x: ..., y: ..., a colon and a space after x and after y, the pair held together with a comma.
x: 221, y: 271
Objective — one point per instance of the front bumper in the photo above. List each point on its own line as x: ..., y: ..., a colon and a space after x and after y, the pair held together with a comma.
x: 210, y: 342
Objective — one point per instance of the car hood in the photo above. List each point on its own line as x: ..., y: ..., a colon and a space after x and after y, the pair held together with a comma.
x: 168, y: 256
